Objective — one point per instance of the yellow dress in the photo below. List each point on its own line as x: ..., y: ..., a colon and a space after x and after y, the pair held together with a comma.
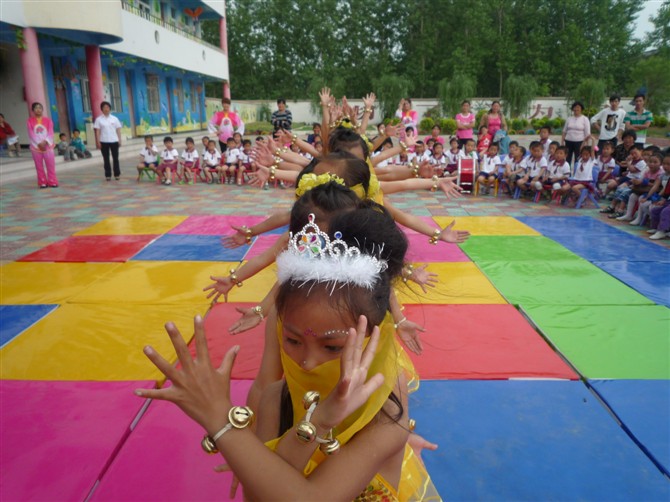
x: 390, y: 360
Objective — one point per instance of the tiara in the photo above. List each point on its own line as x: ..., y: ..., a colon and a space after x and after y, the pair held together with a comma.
x: 312, y: 256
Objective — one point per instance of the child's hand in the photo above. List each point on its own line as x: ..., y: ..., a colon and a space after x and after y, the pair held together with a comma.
x: 220, y: 286
x: 423, y: 278
x: 325, y: 96
x: 369, y: 100
x: 408, y: 332
x: 449, y: 188
x: 425, y: 169
x: 284, y: 137
x: 410, y: 140
x: 239, y: 238
x: 453, y: 236
x: 418, y: 444
x: 250, y: 319
x: 391, y: 130
x: 260, y: 177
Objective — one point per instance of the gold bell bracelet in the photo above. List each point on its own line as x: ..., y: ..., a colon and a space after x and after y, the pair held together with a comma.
x: 306, y: 430
x: 239, y: 417
x: 436, y: 236
x: 234, y: 279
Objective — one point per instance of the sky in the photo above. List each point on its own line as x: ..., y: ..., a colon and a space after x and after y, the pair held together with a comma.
x: 650, y: 8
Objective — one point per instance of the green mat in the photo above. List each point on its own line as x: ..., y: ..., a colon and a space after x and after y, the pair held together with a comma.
x: 515, y: 248
x: 614, y: 342
x: 571, y: 282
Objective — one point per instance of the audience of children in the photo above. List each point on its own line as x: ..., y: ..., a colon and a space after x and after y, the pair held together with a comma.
x: 169, y: 162
x: 77, y: 143
x: 189, y: 164
x: 211, y: 159
x: 488, y: 169
x: 64, y: 148
x: 582, y: 176
x: 659, y: 208
x: 148, y: 157
x: 536, y: 166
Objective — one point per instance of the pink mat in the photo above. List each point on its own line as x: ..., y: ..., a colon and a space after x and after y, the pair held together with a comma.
x: 213, y: 225
x: 162, y: 459
x: 251, y: 342
x: 426, y: 219
x: 57, y: 437
x: 92, y: 248
x: 420, y: 250
x: 261, y: 244
x: 482, y: 342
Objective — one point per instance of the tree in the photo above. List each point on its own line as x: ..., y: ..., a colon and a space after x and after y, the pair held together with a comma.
x: 591, y: 92
x: 452, y: 92
x: 654, y: 73
x: 390, y: 89
x: 518, y: 92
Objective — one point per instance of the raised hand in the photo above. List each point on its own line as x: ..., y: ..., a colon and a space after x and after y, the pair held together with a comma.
x: 353, y: 388
x: 410, y: 140
x: 369, y: 100
x: 325, y: 96
x: 260, y: 177
x: 454, y: 236
x: 201, y: 391
x: 392, y: 130
x: 408, y: 332
x: 249, y: 320
x: 284, y: 137
x: 423, y: 278
x: 450, y: 188
x: 262, y: 155
x: 220, y: 286
x: 239, y: 238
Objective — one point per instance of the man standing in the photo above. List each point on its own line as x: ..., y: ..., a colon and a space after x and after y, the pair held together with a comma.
x: 610, y: 122
x: 639, y: 120
x: 281, y: 117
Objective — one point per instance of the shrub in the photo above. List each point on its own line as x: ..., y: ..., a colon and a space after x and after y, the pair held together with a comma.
x: 448, y: 126
x: 590, y: 111
x: 260, y: 128
x: 433, y: 112
x: 390, y: 89
x: 591, y: 92
x: 539, y: 123
x: 480, y: 114
x: 660, y: 121
x: 426, y: 125
x: 517, y: 124
x: 518, y: 93
x: 452, y: 92
x: 558, y: 123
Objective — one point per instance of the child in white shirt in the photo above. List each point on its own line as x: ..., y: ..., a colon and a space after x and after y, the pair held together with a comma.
x: 468, y: 151
x: 169, y: 161
x: 452, y: 155
x: 536, y: 166
x: 211, y: 160
x: 582, y: 177
x: 245, y: 160
x: 190, y: 163
x: 232, y: 161
x: 148, y: 157
x: 438, y: 160
x: 488, y: 169
x: 558, y: 170
x: 606, y: 163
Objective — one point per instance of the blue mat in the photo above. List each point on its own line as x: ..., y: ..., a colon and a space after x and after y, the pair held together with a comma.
x: 277, y: 231
x: 552, y: 226
x: 648, y: 278
x: 177, y: 247
x: 621, y: 246
x: 529, y: 440
x: 15, y: 319
x: 643, y: 407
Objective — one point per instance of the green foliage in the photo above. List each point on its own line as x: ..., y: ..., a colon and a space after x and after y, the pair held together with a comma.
x: 448, y: 126
x: 518, y: 124
x: 479, y: 115
x: 259, y: 128
x: 426, y: 125
x: 391, y: 120
x: 264, y: 113
x: 433, y: 112
x: 654, y: 73
x: 518, y: 92
x: 591, y: 92
x: 453, y: 91
x: 539, y: 123
x: 390, y: 89
x: 660, y: 121
x: 590, y: 111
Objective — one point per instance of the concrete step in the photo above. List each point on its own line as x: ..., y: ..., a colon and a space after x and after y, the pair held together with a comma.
x: 13, y: 169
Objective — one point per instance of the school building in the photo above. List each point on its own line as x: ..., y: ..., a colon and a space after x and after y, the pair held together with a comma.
x: 146, y: 57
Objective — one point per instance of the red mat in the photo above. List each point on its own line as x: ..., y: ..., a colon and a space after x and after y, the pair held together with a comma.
x: 57, y: 437
x: 213, y: 225
x: 162, y: 459
x: 261, y: 244
x: 420, y: 250
x: 482, y: 342
x: 251, y: 342
x: 92, y: 248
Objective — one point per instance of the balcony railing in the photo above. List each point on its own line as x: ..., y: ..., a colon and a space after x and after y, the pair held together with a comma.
x: 134, y: 8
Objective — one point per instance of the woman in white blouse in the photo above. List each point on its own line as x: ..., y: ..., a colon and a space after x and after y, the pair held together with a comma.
x: 576, y: 131
x: 108, y: 139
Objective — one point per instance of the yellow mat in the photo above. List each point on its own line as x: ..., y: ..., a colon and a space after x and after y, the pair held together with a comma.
x: 487, y: 225
x: 134, y: 225
x: 459, y: 283
x: 155, y: 282
x: 44, y: 282
x: 255, y: 289
x: 95, y: 342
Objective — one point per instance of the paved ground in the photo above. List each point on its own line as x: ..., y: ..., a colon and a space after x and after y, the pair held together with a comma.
x: 32, y: 218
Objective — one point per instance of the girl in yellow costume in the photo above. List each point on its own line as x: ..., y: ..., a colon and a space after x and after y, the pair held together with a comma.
x: 328, y: 284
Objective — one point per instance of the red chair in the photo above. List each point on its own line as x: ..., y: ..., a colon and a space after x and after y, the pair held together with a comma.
x: 466, y: 174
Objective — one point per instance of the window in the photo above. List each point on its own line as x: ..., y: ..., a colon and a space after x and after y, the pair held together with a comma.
x: 195, y: 100
x: 153, y: 96
x: 82, y: 75
x: 114, y: 89
x: 180, y: 95
x: 145, y: 10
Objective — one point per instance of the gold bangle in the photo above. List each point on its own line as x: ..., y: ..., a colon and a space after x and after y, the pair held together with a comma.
x: 247, y: 234
x: 239, y: 417
x: 397, y: 325
x: 415, y: 171
x: 403, y: 146
x: 258, y: 310
x: 409, y: 271
x: 436, y: 236
x: 294, y: 138
x: 278, y: 152
x: 306, y: 430
x: 435, y: 183
x: 367, y: 110
x: 234, y: 279
x: 273, y: 172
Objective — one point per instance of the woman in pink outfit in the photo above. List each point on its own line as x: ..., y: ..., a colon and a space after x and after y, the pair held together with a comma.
x: 494, y: 119
x: 225, y: 124
x: 41, y: 135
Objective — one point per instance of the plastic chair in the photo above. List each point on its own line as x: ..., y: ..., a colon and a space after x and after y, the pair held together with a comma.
x: 146, y: 171
x: 588, y: 194
x: 466, y: 174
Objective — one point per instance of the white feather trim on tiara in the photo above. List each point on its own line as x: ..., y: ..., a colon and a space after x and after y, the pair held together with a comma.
x: 311, y: 256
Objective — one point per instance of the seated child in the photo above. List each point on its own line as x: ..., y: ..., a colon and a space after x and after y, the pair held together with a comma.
x: 79, y: 146
x: 583, y: 173
x: 245, y: 160
x: 483, y: 141
x: 468, y: 151
x: 438, y: 160
x: 488, y: 169
x: 553, y: 146
x: 212, y: 162
x: 316, y: 133
x: 638, y: 187
x: 660, y: 209
x: 558, y: 171
x: 643, y: 201
x: 231, y: 165
x: 430, y: 143
x: 452, y: 155
x: 420, y: 153
x: 386, y: 145
x: 515, y: 166
x: 636, y: 169
x: 545, y: 141
x: 205, y: 145
x: 169, y: 161
x: 189, y: 162
x: 536, y: 165
x: 606, y: 163
x: 148, y: 156
x: 238, y: 140
x: 65, y: 149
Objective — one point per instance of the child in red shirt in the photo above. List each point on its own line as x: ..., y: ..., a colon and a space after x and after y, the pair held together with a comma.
x: 483, y: 141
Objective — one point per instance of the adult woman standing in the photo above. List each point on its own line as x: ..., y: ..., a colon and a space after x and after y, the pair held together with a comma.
x: 494, y: 119
x: 576, y: 131
x: 465, y: 121
x: 225, y: 124
x: 407, y: 116
x: 108, y: 139
x: 41, y: 135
